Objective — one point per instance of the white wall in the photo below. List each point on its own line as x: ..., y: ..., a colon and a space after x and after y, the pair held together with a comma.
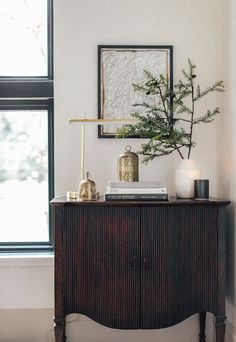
x: 196, y: 29
x: 227, y: 155
x: 192, y: 27
x: 26, y: 282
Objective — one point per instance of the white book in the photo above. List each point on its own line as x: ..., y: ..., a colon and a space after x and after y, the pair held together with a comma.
x: 136, y: 190
x: 136, y: 197
x: 142, y: 184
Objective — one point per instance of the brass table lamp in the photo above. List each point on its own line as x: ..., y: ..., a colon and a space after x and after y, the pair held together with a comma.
x: 84, y: 122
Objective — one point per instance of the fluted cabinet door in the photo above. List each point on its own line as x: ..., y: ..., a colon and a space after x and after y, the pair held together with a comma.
x: 101, y: 264
x: 178, y: 263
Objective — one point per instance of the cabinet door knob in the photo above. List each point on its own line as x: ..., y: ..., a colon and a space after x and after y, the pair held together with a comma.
x: 147, y: 262
x: 134, y: 263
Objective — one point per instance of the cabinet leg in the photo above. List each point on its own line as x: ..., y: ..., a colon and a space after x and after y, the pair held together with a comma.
x: 202, y: 323
x: 220, y: 328
x: 59, y: 330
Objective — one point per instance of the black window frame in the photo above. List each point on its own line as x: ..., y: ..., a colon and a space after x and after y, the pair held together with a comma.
x: 34, y: 93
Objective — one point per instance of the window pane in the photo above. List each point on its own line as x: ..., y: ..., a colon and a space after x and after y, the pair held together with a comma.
x: 23, y: 39
x: 24, y: 176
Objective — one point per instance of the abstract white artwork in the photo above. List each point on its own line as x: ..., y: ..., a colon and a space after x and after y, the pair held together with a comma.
x: 119, y: 68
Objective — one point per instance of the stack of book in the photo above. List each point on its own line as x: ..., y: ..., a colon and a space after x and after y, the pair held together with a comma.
x: 143, y: 191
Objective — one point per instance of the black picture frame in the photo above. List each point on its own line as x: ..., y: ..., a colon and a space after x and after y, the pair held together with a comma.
x: 127, y: 61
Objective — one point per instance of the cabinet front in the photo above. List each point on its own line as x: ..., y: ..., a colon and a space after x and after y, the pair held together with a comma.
x: 178, y: 263
x: 101, y: 264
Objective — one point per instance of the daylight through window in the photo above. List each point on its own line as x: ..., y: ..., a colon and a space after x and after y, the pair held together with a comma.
x: 26, y: 124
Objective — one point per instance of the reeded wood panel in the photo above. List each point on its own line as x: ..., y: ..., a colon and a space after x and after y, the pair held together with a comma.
x: 178, y: 263
x: 101, y: 264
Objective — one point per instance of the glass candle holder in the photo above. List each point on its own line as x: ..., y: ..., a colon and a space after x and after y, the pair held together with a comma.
x: 201, y: 188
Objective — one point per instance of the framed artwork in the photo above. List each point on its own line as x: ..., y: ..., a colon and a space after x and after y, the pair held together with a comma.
x: 119, y: 66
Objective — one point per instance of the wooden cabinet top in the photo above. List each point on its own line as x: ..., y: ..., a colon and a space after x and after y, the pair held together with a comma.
x: 173, y: 201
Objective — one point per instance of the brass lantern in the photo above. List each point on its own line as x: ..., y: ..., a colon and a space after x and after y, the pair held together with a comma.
x: 128, y: 166
x: 87, y: 189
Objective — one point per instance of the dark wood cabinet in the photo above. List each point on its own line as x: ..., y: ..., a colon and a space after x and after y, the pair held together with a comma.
x: 139, y: 265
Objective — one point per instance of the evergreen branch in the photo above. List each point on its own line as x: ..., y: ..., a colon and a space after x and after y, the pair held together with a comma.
x: 208, y: 117
x: 192, y: 68
x: 182, y: 119
x: 192, y: 111
x: 149, y: 106
x: 143, y: 104
x: 150, y: 155
x: 184, y: 109
x: 182, y: 90
x: 169, y: 117
x: 186, y: 75
x: 198, y: 91
x: 160, y: 121
x: 218, y: 86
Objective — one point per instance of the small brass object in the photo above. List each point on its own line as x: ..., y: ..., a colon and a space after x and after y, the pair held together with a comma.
x: 72, y: 195
x: 87, y: 189
x: 128, y: 166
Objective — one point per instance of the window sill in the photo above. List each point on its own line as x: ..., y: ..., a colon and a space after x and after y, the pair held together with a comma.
x: 27, y: 260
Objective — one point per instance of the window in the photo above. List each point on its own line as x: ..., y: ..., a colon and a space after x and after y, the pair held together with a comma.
x: 26, y: 125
